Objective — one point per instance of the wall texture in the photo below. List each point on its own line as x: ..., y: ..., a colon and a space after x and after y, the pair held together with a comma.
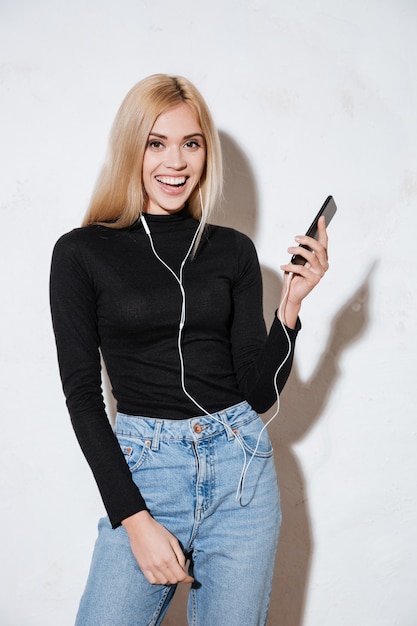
x: 311, y: 97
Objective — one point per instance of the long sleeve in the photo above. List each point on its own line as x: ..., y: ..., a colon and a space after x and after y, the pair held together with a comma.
x: 258, y: 356
x: 74, y: 315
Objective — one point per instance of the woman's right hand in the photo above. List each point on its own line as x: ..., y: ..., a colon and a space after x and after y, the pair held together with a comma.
x: 157, y: 551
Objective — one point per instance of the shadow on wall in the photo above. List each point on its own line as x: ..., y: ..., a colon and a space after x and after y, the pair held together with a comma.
x: 302, y: 404
x: 240, y: 199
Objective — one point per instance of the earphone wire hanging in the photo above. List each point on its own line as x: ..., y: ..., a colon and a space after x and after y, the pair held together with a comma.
x: 179, y: 280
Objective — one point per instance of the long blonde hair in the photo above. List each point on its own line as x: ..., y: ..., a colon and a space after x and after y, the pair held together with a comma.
x: 119, y: 196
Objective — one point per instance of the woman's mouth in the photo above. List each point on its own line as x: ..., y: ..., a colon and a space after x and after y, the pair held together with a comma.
x: 172, y: 181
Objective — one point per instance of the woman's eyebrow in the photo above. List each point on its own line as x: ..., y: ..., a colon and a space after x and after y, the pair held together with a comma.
x: 197, y: 134
x: 194, y: 135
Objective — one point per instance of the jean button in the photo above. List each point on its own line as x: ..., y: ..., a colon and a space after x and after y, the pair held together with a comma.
x: 198, y: 428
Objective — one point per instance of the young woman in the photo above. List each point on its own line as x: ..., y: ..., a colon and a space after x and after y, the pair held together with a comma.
x: 174, y: 306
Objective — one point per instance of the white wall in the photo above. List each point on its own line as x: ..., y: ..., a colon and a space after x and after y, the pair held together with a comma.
x: 312, y: 97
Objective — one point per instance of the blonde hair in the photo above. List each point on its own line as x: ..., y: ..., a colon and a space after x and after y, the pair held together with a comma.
x: 119, y: 196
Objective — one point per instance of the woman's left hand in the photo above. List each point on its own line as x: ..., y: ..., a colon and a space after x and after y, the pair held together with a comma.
x: 304, y: 277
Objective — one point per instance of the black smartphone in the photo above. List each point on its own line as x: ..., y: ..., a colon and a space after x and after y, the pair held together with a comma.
x: 328, y: 209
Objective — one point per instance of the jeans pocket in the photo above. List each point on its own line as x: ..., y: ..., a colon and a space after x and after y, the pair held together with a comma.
x: 255, y: 439
x: 135, y: 451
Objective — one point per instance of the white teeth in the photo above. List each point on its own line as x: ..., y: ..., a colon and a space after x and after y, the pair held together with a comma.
x: 176, y: 181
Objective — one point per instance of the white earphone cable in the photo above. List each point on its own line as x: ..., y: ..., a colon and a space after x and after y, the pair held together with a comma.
x: 287, y: 356
x: 179, y: 280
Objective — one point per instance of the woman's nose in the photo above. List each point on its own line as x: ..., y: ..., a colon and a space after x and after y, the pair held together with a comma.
x: 175, y: 159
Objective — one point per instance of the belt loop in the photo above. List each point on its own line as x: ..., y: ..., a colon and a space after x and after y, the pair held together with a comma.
x: 156, y: 435
x: 228, y: 428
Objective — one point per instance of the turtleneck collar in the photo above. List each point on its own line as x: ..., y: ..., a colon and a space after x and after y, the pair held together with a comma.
x: 178, y: 216
x: 165, y: 223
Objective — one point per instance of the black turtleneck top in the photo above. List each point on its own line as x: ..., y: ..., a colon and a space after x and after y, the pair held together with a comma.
x: 110, y: 294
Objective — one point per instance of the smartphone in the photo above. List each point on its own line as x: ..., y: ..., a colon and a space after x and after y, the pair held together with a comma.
x: 328, y: 209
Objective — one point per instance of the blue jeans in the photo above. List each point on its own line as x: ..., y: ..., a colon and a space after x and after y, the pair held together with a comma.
x: 188, y: 472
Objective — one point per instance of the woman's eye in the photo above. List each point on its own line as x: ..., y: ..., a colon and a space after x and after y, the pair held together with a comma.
x: 155, y: 144
x: 192, y: 145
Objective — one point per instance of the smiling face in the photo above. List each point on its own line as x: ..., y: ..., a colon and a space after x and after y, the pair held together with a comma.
x: 174, y: 160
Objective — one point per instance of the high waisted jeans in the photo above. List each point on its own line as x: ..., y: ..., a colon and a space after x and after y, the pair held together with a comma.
x: 189, y: 472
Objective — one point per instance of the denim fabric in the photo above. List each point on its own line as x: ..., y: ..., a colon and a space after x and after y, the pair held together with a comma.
x: 189, y: 472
